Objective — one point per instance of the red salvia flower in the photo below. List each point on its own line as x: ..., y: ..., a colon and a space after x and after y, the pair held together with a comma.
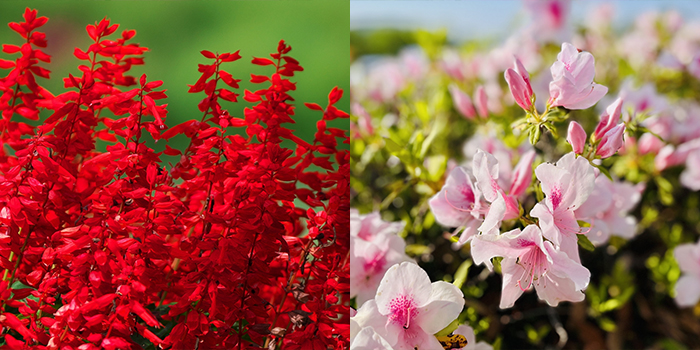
x: 242, y: 244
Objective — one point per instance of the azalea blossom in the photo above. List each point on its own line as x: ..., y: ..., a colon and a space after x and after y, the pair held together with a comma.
x: 688, y: 286
x: 566, y: 186
x: 374, y: 246
x: 371, y: 225
x: 503, y: 206
x: 462, y: 102
x: 409, y: 309
x: 572, y: 86
x: 611, y: 142
x: 607, y: 209
x: 369, y: 339
x: 576, y: 137
x: 690, y: 177
x: 529, y: 261
x: 468, y: 333
x: 518, y: 80
x: 608, y: 119
x: 458, y: 204
x: 549, y: 18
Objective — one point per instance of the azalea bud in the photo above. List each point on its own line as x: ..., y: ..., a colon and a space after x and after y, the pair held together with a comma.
x: 611, y: 142
x: 608, y: 119
x: 520, y: 88
x: 576, y: 137
x: 523, y: 73
x: 462, y: 102
x: 480, y: 100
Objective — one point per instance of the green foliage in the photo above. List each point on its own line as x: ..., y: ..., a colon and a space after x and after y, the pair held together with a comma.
x: 613, y: 292
x: 664, y: 271
x: 536, y: 335
x: 585, y: 243
x: 461, y: 274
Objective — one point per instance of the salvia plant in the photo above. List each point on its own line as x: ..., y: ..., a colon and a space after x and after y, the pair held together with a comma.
x: 241, y: 244
x: 545, y: 185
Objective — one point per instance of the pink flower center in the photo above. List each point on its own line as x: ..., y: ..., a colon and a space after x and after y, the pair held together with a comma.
x: 403, y: 310
x: 375, y: 264
x: 555, y: 197
x: 467, y: 193
x: 534, y: 263
x: 557, y: 15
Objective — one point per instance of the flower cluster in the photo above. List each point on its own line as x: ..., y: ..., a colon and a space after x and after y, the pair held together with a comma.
x: 510, y: 156
x: 399, y: 307
x: 241, y: 244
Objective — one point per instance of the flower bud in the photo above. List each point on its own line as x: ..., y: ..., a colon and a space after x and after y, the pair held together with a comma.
x: 520, y: 88
x: 480, y: 99
x: 576, y: 137
x: 608, y: 119
x: 611, y: 142
x: 523, y: 73
x: 462, y: 102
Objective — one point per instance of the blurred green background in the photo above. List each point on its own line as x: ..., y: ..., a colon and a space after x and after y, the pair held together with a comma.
x: 176, y: 31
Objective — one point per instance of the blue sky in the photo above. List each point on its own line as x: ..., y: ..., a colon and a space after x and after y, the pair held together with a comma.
x: 469, y: 19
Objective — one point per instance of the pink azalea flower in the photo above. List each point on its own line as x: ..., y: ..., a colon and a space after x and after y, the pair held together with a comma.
x: 468, y: 332
x: 529, y: 260
x: 481, y: 102
x: 367, y: 316
x: 414, y: 309
x: 374, y: 246
x: 364, y: 120
x: 371, y: 225
x: 642, y: 99
x: 549, y: 18
x: 688, y: 286
x: 518, y: 80
x: 576, y: 137
x: 607, y: 210
x: 649, y: 143
x: 369, y: 339
x: 522, y: 174
x: 458, y: 204
x: 690, y: 177
x: 503, y: 207
x: 611, y: 142
x: 572, y: 86
x: 671, y: 156
x: 566, y: 186
x: 462, y: 102
x: 608, y: 119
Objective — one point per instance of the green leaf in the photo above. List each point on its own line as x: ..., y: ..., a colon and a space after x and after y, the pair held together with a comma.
x: 422, y: 111
x: 438, y: 127
x: 417, y: 249
x: 585, y: 243
x: 535, y: 134
x: 449, y: 329
x: 417, y: 144
x: 583, y: 223
x: 497, y: 343
x: 392, y: 146
x: 607, y: 324
x: 461, y: 274
x: 19, y: 285
x: 605, y: 171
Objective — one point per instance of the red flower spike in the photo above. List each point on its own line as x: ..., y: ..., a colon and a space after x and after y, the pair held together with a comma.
x: 104, y: 240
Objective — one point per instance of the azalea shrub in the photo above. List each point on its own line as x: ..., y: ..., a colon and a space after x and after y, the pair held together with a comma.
x: 242, y: 243
x: 538, y: 192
